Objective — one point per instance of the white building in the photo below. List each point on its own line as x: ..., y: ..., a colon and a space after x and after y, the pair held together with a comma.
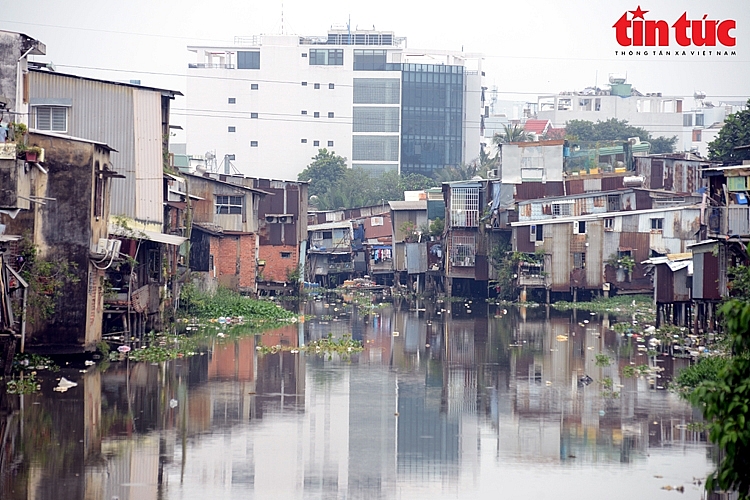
x: 702, y: 124
x: 268, y: 103
x: 660, y: 115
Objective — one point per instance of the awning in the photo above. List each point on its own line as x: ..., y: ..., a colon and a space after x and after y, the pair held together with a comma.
x: 144, y: 234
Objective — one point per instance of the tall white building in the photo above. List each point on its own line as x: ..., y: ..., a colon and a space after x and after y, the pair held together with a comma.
x: 660, y: 115
x: 266, y: 104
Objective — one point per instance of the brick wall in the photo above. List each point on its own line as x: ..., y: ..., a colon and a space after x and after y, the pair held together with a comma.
x: 235, y: 262
x: 277, y: 267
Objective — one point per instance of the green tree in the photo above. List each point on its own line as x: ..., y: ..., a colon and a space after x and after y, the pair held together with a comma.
x: 725, y: 403
x: 662, y: 144
x: 511, y: 133
x: 735, y: 132
x: 608, y: 130
x: 462, y: 172
x: 325, y: 171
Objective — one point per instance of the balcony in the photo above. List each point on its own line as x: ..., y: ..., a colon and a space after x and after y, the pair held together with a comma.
x: 733, y: 220
x: 340, y: 267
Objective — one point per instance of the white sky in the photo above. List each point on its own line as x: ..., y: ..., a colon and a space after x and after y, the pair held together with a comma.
x: 530, y: 47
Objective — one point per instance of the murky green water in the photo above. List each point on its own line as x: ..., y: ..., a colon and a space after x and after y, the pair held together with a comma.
x: 460, y: 405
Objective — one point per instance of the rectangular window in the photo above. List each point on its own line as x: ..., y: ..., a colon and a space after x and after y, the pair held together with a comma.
x: 304, y: 112
x: 316, y: 143
x: 560, y: 209
x: 687, y: 120
x: 52, y: 118
x: 316, y: 86
x: 369, y: 60
x: 699, y: 120
x: 304, y: 141
x: 253, y: 144
x: 248, y: 59
x: 609, y: 224
x: 229, y: 204
x: 304, y: 84
x: 253, y: 115
x: 232, y: 100
x: 286, y: 255
x: 539, y: 236
x: 465, y: 207
x: 330, y: 114
x: 327, y: 235
x: 579, y: 227
x: 326, y: 57
x: 253, y: 86
x: 231, y: 129
x: 99, y: 195
x: 613, y: 203
x: 304, y: 54
x: 463, y: 250
x: 657, y: 224
x: 330, y: 144
x: 316, y: 115
x: 579, y: 260
x: 330, y: 86
x: 697, y: 135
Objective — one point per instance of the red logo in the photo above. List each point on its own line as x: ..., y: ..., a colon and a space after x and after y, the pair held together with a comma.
x: 639, y: 31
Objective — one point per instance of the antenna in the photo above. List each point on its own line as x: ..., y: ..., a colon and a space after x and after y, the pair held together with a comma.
x: 282, y: 18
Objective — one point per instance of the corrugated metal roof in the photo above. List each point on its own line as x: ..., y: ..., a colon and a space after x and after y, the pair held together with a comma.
x: 72, y: 138
x: 125, y: 84
x: 604, y: 215
x: 329, y: 225
x: 408, y: 205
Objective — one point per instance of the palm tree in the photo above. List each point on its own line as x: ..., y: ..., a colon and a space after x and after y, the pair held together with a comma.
x: 511, y: 133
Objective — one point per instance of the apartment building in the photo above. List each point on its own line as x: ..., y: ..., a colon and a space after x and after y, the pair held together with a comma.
x: 266, y: 104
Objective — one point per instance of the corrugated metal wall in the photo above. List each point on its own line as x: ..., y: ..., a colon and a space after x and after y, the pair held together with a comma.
x: 594, y: 258
x: 557, y: 243
x: 115, y: 114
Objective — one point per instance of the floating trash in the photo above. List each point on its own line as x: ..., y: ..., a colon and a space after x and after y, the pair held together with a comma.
x: 173, y: 403
x: 123, y: 349
x: 64, y: 385
x: 89, y: 362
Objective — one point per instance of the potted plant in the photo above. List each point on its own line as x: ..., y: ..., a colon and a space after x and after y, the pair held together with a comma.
x: 33, y: 153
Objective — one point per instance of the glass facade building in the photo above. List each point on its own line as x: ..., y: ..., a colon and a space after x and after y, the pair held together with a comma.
x: 431, y: 117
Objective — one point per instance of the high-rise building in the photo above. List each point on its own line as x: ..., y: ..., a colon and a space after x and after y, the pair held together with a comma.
x: 267, y: 104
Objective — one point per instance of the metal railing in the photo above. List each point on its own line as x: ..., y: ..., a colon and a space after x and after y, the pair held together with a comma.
x: 210, y: 66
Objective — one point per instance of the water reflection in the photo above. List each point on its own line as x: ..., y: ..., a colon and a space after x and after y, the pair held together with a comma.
x: 440, y: 403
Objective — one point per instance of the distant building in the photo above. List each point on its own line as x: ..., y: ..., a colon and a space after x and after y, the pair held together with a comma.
x: 660, y: 115
x: 278, y: 99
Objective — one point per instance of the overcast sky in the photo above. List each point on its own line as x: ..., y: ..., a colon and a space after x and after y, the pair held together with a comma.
x: 539, y: 46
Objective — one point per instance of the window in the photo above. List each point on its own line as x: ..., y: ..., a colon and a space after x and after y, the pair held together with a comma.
x: 229, y: 204
x: 304, y: 84
x: 687, y: 120
x: 579, y: 260
x: 316, y: 86
x: 464, y: 207
x: 327, y: 235
x: 253, y: 144
x: 330, y: 114
x: 304, y: 112
x: 316, y: 143
x: 609, y: 224
x: 304, y: 54
x: 697, y: 135
x: 232, y: 100
x: 52, y: 118
x: 369, y: 60
x: 286, y: 255
x: 248, y: 60
x: 253, y: 86
x: 231, y: 129
x: 326, y: 57
x: 579, y: 227
x: 657, y: 224
x: 560, y: 209
x: 613, y: 203
x: 330, y: 144
x: 463, y: 250
x: 330, y: 86
x: 304, y: 141
x: 98, y: 193
x: 316, y: 115
x: 253, y: 115
x: 699, y: 120
x: 537, y: 233
x: 231, y: 157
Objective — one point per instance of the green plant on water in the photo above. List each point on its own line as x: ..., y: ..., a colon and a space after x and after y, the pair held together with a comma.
x: 23, y: 385
x: 607, y: 383
x: 326, y: 346
x: 164, y: 348
x: 603, y: 360
x: 706, y: 369
x: 643, y: 369
x: 30, y: 361
x: 103, y: 348
x: 228, y: 303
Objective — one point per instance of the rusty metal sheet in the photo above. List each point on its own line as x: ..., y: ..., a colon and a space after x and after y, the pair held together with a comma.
x: 140, y: 299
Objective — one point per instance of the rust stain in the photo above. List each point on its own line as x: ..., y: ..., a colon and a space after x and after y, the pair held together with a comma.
x: 547, y: 209
x: 599, y: 201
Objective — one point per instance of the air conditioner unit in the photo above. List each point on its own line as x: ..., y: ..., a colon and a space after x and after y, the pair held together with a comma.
x: 494, y: 173
x: 113, y: 247
x: 270, y: 219
x: 284, y: 219
x: 101, y: 247
x: 634, y: 140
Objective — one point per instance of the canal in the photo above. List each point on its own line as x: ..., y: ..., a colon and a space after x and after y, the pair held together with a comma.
x: 472, y: 401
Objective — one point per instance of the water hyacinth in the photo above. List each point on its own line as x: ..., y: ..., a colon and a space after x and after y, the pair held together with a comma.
x: 326, y: 346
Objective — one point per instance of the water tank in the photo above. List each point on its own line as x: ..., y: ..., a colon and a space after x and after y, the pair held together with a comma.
x: 633, y: 181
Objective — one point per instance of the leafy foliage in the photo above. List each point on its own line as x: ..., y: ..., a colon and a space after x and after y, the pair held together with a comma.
x: 602, y: 360
x: 616, y: 130
x: 326, y: 169
x: 511, y: 133
x: 735, y: 132
x: 228, y: 303
x: 662, y: 144
x: 705, y: 370
x: 725, y: 402
x: 328, y: 345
